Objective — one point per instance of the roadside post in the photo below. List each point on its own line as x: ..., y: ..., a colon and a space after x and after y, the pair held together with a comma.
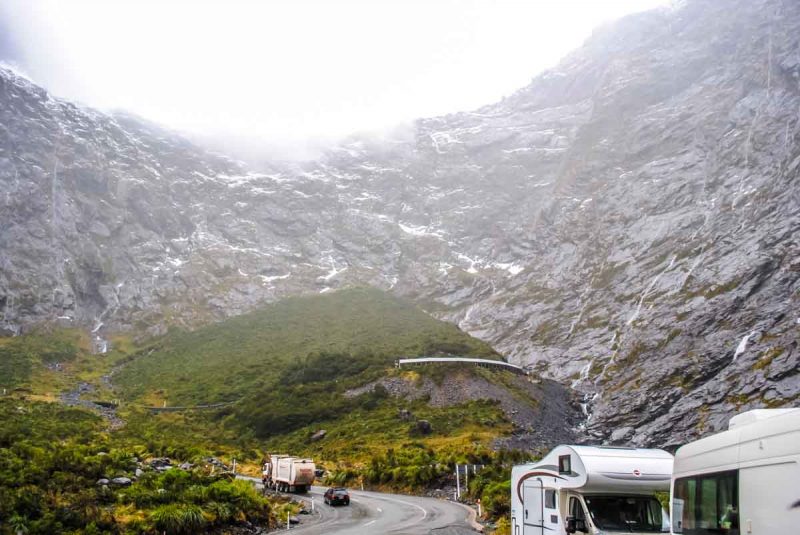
x: 287, y: 520
x: 458, y: 485
x: 479, y: 508
x: 234, y: 466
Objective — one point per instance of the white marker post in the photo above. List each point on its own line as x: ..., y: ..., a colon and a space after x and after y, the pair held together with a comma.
x: 312, y: 505
x: 479, y: 507
x: 287, y: 520
x: 458, y: 485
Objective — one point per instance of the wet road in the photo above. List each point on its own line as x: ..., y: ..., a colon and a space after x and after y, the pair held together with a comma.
x: 379, y: 513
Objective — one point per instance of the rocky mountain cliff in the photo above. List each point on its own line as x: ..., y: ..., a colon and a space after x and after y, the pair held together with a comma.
x: 627, y: 223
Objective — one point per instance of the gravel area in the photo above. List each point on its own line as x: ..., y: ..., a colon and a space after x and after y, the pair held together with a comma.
x: 74, y: 398
x: 543, y: 411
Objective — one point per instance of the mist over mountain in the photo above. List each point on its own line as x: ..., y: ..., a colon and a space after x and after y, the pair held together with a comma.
x: 626, y: 224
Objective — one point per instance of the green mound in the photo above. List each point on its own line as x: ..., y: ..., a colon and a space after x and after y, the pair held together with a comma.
x: 22, y: 356
x: 292, y: 343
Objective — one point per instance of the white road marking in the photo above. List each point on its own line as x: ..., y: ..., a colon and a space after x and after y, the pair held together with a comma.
x: 380, y: 510
x: 424, y: 512
x: 369, y: 523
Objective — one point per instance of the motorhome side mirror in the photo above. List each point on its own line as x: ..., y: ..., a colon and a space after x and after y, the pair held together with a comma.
x: 571, y: 528
x: 580, y: 525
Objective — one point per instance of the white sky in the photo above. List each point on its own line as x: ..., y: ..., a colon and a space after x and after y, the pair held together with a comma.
x: 288, y: 70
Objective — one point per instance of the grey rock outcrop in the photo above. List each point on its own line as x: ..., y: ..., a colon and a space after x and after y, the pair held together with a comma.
x: 423, y: 427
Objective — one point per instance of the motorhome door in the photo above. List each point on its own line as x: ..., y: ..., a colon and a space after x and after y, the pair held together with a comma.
x: 533, y: 507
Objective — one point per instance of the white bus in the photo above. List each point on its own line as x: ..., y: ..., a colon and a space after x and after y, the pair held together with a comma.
x: 744, y: 481
x: 591, y: 489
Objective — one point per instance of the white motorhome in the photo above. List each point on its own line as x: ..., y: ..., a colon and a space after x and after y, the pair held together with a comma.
x: 591, y: 489
x: 742, y: 481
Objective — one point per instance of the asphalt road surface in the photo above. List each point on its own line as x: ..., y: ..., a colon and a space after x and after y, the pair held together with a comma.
x: 378, y: 513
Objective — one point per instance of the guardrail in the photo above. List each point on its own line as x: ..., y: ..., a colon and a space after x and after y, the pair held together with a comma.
x: 190, y: 408
x: 486, y: 363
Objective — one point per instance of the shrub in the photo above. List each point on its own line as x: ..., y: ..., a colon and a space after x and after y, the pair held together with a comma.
x: 177, y: 518
x: 496, y: 498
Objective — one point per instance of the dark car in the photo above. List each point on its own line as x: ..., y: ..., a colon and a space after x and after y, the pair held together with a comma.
x: 337, y: 496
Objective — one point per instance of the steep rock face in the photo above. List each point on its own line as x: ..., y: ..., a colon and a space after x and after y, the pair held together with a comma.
x: 113, y: 223
x: 627, y: 223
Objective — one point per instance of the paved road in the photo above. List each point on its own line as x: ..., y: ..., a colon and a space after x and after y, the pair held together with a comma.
x: 378, y: 513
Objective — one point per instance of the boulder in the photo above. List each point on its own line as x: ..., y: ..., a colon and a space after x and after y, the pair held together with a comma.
x: 160, y: 461
x: 102, y: 481
x: 623, y: 433
x: 319, y: 435
x: 213, y: 461
x: 121, y: 481
x: 423, y: 427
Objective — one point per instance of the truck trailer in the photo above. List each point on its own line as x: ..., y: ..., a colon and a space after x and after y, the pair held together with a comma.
x: 284, y: 473
x: 591, y: 490
x: 743, y: 481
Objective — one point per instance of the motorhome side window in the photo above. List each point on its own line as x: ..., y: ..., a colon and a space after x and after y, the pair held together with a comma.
x: 564, y: 464
x: 706, y: 504
x: 550, y: 499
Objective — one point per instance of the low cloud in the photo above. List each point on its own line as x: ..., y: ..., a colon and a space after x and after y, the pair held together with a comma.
x: 278, y: 74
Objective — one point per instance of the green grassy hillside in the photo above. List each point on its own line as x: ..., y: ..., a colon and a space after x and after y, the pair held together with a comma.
x: 49, y: 360
x: 295, y: 341
x: 23, y: 356
x: 288, y: 369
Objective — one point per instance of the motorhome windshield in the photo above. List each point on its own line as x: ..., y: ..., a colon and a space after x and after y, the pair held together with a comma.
x: 625, y: 513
